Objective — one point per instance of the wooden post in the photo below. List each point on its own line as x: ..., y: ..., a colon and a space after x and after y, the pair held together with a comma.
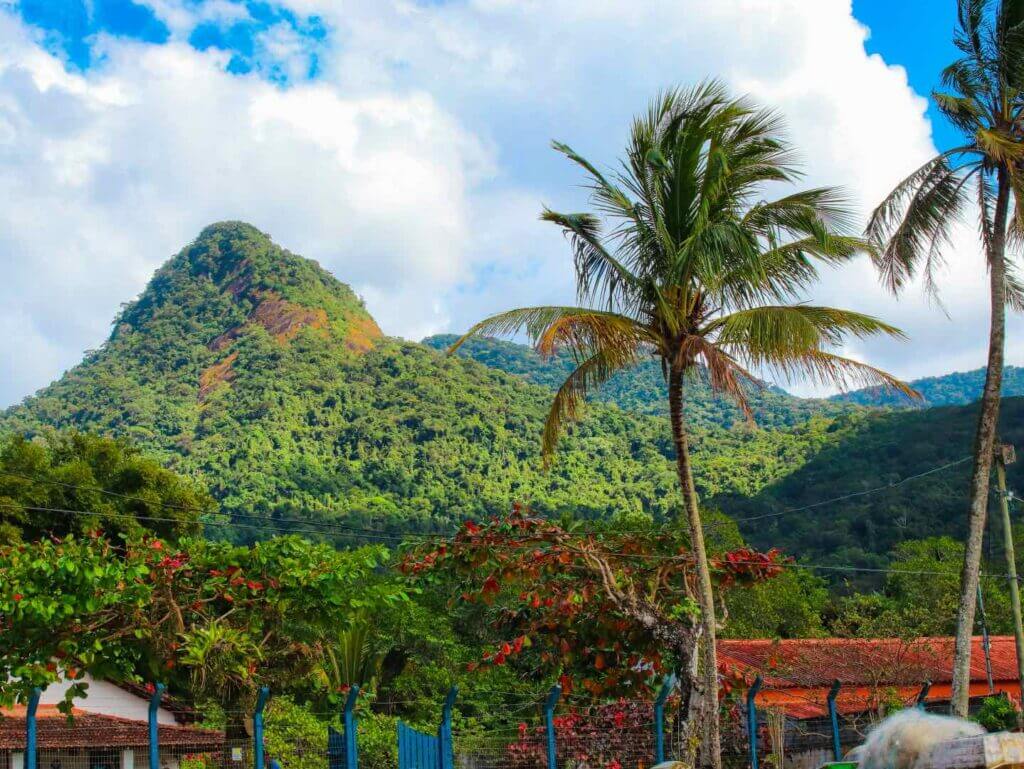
x: 833, y: 717
x: 154, y: 726
x: 549, y: 724
x: 659, y: 719
x: 257, y: 727
x: 30, y: 728
x: 752, y: 720
x: 1005, y: 455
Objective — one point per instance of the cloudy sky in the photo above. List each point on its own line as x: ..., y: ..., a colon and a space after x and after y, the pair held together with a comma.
x: 404, y: 144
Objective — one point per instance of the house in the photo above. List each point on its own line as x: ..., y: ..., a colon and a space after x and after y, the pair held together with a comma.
x: 875, y: 675
x: 109, y: 730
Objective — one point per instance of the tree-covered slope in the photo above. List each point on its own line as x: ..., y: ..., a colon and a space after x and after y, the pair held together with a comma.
x: 958, y: 388
x: 641, y: 389
x: 875, y: 451
x: 257, y: 371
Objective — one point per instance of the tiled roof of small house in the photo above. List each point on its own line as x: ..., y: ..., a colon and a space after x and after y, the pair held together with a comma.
x: 97, y: 730
x: 817, y: 662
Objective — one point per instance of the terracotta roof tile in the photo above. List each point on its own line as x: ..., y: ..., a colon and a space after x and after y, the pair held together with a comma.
x: 817, y: 662
x: 96, y: 730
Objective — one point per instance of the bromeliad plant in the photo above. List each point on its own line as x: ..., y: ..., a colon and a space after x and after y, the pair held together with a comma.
x: 686, y: 260
x: 610, y: 613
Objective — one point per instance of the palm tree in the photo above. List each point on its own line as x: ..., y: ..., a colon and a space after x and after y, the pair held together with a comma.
x: 912, y: 227
x: 700, y: 272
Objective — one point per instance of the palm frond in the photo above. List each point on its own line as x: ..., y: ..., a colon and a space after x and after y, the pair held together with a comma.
x: 597, y: 271
x: 913, y: 223
x: 760, y: 334
x: 831, y: 370
x: 580, y: 329
x: 567, y: 404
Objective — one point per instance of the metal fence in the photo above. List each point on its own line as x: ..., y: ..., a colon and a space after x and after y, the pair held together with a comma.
x: 569, y: 733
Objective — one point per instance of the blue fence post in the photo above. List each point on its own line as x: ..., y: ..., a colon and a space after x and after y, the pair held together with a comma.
x: 752, y: 720
x: 351, y: 749
x: 833, y: 716
x: 257, y: 728
x: 446, y: 751
x: 549, y: 723
x: 659, y: 718
x: 154, y: 726
x: 30, y: 728
x: 922, y: 696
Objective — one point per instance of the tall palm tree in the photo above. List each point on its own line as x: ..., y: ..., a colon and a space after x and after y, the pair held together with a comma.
x: 912, y: 227
x: 699, y: 271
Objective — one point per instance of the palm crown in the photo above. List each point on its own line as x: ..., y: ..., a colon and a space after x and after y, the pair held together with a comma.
x: 685, y: 261
x: 984, y: 100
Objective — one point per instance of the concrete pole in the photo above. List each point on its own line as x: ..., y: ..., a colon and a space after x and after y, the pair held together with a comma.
x: 1004, y: 456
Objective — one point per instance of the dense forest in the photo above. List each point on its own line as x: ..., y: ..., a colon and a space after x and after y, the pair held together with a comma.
x: 958, y: 388
x: 262, y: 377
x: 642, y: 388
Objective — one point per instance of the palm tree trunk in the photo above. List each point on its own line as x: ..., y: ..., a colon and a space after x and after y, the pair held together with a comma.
x: 984, y: 444
x: 711, y: 752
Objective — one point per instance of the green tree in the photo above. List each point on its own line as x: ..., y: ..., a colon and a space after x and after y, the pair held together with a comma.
x: 44, y: 483
x: 607, y: 609
x: 911, y: 227
x: 920, y: 595
x: 697, y: 271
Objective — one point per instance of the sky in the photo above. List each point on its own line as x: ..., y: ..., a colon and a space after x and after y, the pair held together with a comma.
x: 404, y: 144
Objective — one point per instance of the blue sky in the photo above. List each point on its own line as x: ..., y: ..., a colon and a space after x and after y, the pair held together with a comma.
x: 915, y: 34
x: 405, y: 145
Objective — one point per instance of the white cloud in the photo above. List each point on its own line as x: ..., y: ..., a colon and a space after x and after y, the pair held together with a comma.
x: 415, y: 167
x: 106, y: 175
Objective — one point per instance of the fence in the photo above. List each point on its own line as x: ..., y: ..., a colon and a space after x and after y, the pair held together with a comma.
x: 557, y: 734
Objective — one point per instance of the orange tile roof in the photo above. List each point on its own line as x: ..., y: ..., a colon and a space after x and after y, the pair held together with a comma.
x: 818, y: 661
x: 97, y: 730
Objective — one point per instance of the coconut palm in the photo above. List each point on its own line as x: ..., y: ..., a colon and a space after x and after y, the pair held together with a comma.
x: 685, y: 261
x: 982, y: 178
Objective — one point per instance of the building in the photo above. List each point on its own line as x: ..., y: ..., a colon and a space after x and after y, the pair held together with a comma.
x: 109, y: 730
x: 875, y: 675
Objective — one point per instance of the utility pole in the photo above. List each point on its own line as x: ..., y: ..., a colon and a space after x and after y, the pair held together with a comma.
x: 1005, y: 455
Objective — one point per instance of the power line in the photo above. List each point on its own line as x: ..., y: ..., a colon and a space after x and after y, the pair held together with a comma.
x: 428, y: 538
x: 854, y: 494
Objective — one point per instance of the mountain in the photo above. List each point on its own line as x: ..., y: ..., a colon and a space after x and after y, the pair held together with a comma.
x: 905, y: 459
x: 960, y: 387
x: 641, y: 389
x: 257, y: 371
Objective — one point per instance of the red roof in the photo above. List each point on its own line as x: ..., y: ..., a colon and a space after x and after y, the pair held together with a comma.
x: 96, y: 730
x: 819, y: 661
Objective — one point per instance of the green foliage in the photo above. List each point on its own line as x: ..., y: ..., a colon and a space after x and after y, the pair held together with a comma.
x: 791, y: 605
x: 293, y: 736
x: 378, y: 744
x: 873, y: 451
x: 920, y: 596
x: 997, y: 714
x: 70, y: 607
x: 958, y: 388
x: 641, y: 389
x: 125, y: 492
x: 219, y: 618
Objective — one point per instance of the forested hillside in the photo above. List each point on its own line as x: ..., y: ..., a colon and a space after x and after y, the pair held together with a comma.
x: 641, y: 389
x: 876, y: 451
x: 958, y: 388
x: 261, y: 376
x: 258, y: 372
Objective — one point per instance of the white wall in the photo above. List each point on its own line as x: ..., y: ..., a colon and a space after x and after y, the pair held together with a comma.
x: 106, y: 698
